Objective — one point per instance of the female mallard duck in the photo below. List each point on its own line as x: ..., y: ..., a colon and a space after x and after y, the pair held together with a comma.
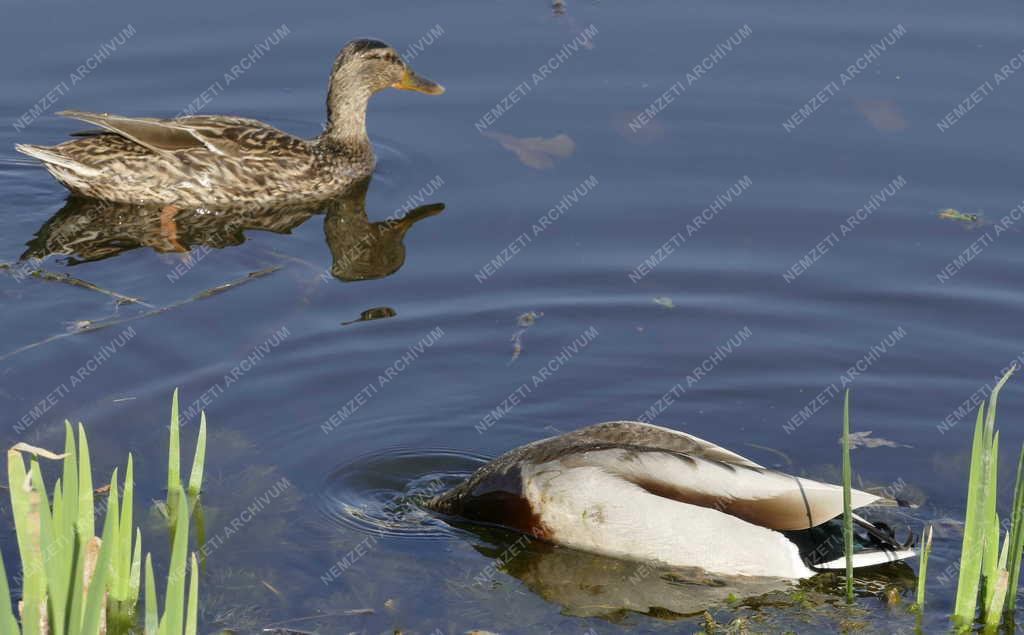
x: 642, y: 492
x: 211, y: 160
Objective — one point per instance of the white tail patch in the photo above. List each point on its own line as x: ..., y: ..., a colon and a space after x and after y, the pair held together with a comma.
x: 869, y: 559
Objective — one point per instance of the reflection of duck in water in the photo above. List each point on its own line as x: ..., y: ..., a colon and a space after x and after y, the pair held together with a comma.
x: 216, y: 160
x: 589, y: 585
x: 86, y: 230
x: 363, y: 250
x: 642, y: 492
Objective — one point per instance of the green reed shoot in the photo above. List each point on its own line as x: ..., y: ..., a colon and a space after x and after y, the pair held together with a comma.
x: 922, y: 573
x: 847, y: 510
x: 75, y: 583
x: 988, y: 572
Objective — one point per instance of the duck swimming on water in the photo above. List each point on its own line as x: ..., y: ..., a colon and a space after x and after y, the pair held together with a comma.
x: 642, y: 492
x: 214, y: 160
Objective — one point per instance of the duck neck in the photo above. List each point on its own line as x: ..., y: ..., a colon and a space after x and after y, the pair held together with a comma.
x: 346, y: 116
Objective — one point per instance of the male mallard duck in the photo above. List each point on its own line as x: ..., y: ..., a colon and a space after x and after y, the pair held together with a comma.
x: 642, y: 492
x: 217, y: 160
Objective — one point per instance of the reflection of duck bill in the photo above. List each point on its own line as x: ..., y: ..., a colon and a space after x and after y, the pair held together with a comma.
x: 646, y: 493
x: 423, y: 211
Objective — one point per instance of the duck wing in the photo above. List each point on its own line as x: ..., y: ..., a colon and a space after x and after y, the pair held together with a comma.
x: 757, y: 495
x: 635, y: 433
x: 164, y: 136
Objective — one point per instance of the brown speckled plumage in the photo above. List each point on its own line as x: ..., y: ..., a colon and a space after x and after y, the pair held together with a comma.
x: 212, y: 160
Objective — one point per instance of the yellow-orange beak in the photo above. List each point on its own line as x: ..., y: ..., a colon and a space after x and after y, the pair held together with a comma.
x: 412, y: 81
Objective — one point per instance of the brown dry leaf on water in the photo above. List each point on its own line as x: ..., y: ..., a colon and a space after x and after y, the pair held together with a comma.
x: 883, y: 114
x: 536, y: 152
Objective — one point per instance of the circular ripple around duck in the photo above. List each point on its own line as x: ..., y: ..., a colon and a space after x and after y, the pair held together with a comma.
x: 383, y: 493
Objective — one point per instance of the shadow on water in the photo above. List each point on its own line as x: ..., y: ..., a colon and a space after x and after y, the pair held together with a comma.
x: 89, y: 230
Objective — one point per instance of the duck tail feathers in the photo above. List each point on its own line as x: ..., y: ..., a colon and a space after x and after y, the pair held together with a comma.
x: 52, y: 158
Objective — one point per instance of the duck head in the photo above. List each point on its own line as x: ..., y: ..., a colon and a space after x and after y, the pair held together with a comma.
x: 362, y: 68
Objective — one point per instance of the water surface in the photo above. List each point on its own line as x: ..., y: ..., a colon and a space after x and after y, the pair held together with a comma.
x: 364, y: 417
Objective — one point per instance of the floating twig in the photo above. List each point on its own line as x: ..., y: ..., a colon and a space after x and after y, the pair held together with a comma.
x: 89, y: 326
x: 43, y: 274
x: 347, y: 613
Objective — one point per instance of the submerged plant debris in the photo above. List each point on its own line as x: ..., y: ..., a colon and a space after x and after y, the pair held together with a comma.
x: 87, y: 326
x: 951, y: 214
x: 42, y: 274
x: 524, y: 321
x: 376, y: 313
x: 865, y: 440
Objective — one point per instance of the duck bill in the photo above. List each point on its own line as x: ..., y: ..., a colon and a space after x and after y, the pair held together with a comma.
x: 412, y: 81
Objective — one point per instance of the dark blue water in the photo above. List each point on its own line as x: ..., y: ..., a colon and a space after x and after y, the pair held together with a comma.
x: 424, y: 393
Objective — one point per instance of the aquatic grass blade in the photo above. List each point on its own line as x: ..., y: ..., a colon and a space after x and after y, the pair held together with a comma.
x: 990, y: 560
x: 994, y: 608
x: 195, y: 480
x: 76, y: 589
x: 192, y: 618
x: 86, y: 524
x: 847, y: 510
x: 69, y: 478
x: 1016, y: 536
x: 126, y: 531
x: 56, y: 586
x: 922, y: 573
x: 27, y: 532
x: 973, y: 541
x: 98, y: 585
x: 174, y: 602
x: 8, y: 622
x: 152, y: 610
x: 174, y: 455
x: 135, y: 575
x: 112, y: 518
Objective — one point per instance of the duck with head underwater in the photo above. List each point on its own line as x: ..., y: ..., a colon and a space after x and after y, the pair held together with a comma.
x: 641, y: 492
x: 217, y: 160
